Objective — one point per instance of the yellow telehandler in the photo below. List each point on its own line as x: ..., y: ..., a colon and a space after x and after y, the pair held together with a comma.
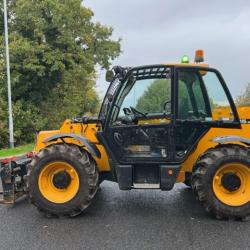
x: 158, y: 125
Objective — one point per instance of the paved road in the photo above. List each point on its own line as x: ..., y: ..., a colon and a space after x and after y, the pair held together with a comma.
x: 124, y: 220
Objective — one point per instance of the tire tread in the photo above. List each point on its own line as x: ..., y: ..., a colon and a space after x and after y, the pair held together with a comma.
x: 200, y: 184
x: 86, y: 163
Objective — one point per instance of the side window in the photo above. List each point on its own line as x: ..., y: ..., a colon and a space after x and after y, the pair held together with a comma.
x: 148, y: 96
x: 219, y: 103
x: 152, y: 95
x: 202, y: 97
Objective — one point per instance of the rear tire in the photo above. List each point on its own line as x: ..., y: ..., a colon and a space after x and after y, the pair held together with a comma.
x: 80, y: 189
x: 229, y: 200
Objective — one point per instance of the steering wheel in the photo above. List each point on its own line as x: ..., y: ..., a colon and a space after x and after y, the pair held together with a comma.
x: 127, y: 119
x: 135, y: 111
x: 126, y: 111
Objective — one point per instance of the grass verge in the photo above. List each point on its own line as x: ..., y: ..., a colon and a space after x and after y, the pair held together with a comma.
x: 16, y: 151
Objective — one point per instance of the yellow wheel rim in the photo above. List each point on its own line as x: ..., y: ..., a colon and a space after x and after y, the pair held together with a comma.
x: 237, y: 197
x: 47, y: 186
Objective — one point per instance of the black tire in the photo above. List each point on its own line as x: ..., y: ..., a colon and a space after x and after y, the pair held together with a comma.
x: 86, y: 171
x: 202, y: 180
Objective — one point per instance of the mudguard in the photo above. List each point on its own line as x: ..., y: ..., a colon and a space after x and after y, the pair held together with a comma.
x: 92, y: 148
x: 231, y: 138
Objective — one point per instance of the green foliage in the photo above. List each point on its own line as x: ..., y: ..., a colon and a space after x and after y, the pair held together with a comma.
x: 158, y: 93
x: 3, y: 122
x: 154, y: 98
x: 244, y: 99
x: 54, y: 49
x: 17, y: 150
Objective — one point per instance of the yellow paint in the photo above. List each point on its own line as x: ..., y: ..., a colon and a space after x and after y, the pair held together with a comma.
x: 86, y: 130
x: 181, y: 176
x: 154, y: 121
x: 205, y: 143
x: 221, y: 112
x: 50, y: 191
x: 236, y: 198
x: 244, y: 112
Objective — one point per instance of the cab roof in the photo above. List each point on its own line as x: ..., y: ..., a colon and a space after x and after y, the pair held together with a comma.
x: 186, y: 65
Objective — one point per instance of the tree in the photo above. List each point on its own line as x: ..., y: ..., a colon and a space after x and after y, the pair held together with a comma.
x: 158, y: 95
x: 244, y: 99
x: 155, y: 96
x: 3, y: 122
x: 54, y: 49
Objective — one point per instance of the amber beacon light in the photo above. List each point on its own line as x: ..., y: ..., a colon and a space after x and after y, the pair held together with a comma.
x: 199, y: 56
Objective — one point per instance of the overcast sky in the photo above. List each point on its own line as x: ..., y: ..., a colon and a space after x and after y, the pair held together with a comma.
x: 161, y: 31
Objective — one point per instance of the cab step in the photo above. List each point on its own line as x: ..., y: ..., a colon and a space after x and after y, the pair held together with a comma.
x: 146, y: 186
x: 147, y: 176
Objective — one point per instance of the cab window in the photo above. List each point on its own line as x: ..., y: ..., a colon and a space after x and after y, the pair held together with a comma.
x: 148, y: 96
x: 144, y: 97
x: 219, y: 103
x: 202, y: 97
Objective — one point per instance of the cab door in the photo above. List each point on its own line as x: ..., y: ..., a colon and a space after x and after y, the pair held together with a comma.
x: 140, y: 123
x: 203, y: 101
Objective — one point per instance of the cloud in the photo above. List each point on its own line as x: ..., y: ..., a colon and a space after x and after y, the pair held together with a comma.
x: 162, y: 31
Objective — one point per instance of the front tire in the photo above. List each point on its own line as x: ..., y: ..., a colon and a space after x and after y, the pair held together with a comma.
x: 62, y: 180
x: 221, y: 181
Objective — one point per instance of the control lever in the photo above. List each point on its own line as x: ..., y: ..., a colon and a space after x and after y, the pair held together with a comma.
x: 118, y: 138
x: 142, y: 132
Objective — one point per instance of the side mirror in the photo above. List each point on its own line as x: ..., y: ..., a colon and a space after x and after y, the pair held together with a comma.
x: 110, y: 75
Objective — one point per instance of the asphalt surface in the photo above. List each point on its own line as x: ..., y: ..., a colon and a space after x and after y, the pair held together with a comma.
x: 137, y: 219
